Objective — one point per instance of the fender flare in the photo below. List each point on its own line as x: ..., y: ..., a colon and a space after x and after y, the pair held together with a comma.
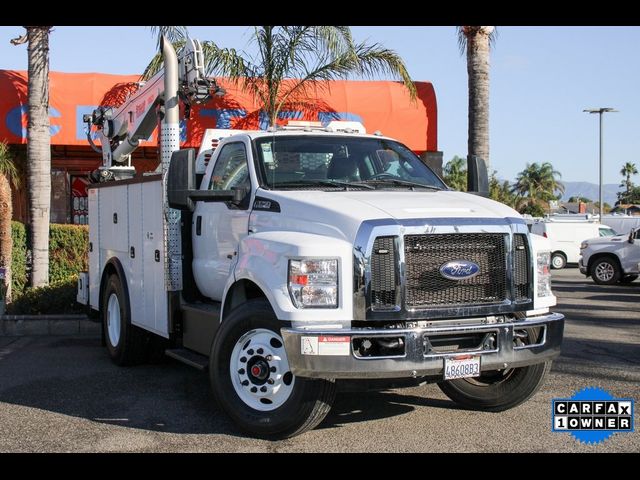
x: 113, y: 264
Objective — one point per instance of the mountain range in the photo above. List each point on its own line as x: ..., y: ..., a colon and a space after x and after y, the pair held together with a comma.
x: 590, y: 191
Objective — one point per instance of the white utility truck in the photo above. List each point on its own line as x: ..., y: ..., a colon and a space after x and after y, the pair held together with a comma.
x: 284, y: 260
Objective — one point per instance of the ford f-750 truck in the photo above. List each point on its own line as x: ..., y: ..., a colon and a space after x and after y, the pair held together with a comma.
x: 283, y: 261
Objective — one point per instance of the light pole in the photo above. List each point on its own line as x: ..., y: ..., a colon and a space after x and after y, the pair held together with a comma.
x: 600, y: 111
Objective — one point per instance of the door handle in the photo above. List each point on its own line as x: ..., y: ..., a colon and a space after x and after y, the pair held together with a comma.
x: 199, y: 225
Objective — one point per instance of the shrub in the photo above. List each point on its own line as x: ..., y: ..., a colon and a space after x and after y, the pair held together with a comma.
x: 68, y: 251
x: 19, y: 258
x: 68, y: 255
x: 57, y: 298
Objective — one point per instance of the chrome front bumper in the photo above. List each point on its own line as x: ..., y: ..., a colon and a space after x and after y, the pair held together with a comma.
x: 415, y: 360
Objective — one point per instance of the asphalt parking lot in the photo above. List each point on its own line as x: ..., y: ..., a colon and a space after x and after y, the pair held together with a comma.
x: 62, y: 394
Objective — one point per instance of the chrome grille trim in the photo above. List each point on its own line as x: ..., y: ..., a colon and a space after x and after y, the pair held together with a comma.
x: 425, y: 254
x: 362, y: 266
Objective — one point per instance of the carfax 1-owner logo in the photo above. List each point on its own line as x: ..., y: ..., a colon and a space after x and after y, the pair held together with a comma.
x: 592, y: 415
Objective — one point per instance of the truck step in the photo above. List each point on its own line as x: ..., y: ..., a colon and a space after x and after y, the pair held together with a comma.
x: 188, y: 357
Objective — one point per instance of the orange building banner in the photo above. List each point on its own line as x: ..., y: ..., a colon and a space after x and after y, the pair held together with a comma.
x: 381, y: 106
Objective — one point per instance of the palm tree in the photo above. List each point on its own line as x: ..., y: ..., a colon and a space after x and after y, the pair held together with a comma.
x: 294, y: 62
x: 455, y: 173
x: 38, y: 149
x: 500, y: 191
x: 9, y: 175
x: 476, y: 42
x: 627, y: 170
x: 537, y: 184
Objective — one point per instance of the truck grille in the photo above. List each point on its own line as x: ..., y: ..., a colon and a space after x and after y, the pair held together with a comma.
x: 383, y: 274
x: 425, y: 254
x: 521, y: 270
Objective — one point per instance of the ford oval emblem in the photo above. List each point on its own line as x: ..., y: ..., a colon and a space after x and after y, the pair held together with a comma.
x: 459, y: 270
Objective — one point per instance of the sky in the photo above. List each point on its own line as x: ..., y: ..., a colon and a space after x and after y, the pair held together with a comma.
x: 542, y: 78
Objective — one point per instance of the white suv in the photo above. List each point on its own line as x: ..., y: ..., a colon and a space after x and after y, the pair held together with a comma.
x: 609, y: 260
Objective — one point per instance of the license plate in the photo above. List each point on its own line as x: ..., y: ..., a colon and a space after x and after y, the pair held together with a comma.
x: 461, y: 367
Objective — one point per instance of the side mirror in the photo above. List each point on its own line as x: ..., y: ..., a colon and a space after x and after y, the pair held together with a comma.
x: 181, y: 179
x: 632, y: 235
x: 181, y: 184
x: 477, y: 176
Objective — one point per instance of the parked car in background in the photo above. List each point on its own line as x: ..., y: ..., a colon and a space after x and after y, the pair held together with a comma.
x: 566, y: 236
x: 609, y: 260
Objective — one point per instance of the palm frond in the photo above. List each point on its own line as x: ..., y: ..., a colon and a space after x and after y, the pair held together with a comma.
x: 173, y: 34
x: 337, y: 39
x: 375, y: 59
x: 156, y: 62
x: 8, y: 166
x: 227, y: 62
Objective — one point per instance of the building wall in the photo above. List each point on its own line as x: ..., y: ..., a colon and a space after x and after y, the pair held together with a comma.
x: 381, y: 106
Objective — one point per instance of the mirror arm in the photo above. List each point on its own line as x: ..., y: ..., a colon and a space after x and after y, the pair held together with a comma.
x: 211, y: 195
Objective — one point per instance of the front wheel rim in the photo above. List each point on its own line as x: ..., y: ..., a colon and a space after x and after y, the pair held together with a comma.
x: 259, y: 370
x: 558, y: 262
x: 113, y: 319
x: 604, y: 272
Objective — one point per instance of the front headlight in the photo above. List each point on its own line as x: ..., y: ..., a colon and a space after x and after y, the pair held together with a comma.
x: 544, y: 274
x: 313, y: 283
x: 584, y: 245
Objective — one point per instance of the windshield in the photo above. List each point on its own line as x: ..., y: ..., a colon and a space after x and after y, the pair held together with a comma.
x: 325, y: 162
x: 607, y: 232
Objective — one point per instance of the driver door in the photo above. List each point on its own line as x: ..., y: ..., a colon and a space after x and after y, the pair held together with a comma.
x: 632, y: 259
x: 218, y: 227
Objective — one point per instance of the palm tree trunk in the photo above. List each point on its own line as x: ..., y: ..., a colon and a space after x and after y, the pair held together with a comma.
x: 478, y: 74
x: 39, y: 152
x: 6, y: 244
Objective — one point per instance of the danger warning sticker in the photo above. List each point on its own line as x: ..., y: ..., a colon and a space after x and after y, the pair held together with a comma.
x: 325, y: 345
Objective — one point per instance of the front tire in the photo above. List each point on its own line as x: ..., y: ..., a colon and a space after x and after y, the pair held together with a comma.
x: 251, y: 380
x: 605, y: 271
x: 124, y: 341
x: 496, y: 391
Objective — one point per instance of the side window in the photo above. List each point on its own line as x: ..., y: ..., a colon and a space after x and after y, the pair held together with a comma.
x: 230, y: 169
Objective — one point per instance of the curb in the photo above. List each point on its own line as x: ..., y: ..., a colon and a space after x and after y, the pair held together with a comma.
x: 21, y: 325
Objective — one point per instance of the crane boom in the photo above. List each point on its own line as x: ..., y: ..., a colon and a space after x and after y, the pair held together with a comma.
x: 120, y: 129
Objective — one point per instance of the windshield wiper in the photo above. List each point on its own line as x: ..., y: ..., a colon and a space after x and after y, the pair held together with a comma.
x: 398, y: 181
x: 330, y: 183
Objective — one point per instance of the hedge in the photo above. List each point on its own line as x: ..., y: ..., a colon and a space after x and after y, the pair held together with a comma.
x: 68, y: 255
x: 68, y: 251
x: 18, y: 259
x: 56, y: 298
